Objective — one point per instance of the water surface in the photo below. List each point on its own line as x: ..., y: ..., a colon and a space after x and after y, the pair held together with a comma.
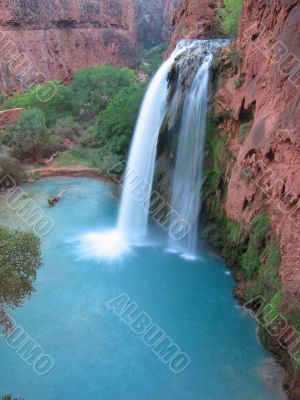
x: 96, y: 355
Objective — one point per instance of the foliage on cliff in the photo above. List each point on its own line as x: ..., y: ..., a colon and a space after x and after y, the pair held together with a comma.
x: 230, y: 13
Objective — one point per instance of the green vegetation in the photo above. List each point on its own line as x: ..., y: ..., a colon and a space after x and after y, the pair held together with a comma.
x: 97, y: 109
x: 243, y: 131
x: 230, y: 16
x: 235, y: 58
x: 28, y: 138
x: 82, y: 156
x: 115, y: 124
x: 250, y: 261
x: 260, y: 229
x: 239, y: 83
x: 19, y: 260
x: 214, y: 174
x: 152, y: 59
x: 253, y: 250
x: 9, y: 166
x: 92, y: 88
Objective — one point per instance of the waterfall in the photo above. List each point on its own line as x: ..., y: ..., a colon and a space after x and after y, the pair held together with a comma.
x: 187, y: 180
x: 133, y: 214
x: 181, y: 98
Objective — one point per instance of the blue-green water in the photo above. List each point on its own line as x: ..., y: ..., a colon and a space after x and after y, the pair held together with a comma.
x: 96, y: 355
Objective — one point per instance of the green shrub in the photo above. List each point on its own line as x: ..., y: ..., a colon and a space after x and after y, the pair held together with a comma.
x: 243, y: 130
x: 67, y: 128
x: 230, y: 16
x: 260, y: 229
x: 20, y: 259
x: 269, y: 275
x: 28, y: 137
x: 234, y: 230
x: 239, y: 83
x: 110, y: 94
x: 250, y: 261
x: 115, y: 124
x: 88, y: 138
x: 60, y: 105
x: 11, y: 167
x: 235, y: 58
x: 92, y: 88
x: 3, y: 98
x: 152, y: 59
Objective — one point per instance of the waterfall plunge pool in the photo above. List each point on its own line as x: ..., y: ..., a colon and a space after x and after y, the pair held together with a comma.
x: 97, y: 354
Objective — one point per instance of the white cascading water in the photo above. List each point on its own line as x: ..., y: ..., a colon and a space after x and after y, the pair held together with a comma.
x: 187, y: 180
x: 134, y: 208
x: 133, y: 213
x: 138, y: 179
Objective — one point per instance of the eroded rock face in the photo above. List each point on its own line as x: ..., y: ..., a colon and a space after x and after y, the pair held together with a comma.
x: 195, y: 19
x: 264, y: 96
x: 8, y: 117
x: 46, y: 39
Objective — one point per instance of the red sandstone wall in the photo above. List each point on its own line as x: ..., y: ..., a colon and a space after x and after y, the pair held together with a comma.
x: 46, y: 39
x: 268, y: 43
x: 194, y: 19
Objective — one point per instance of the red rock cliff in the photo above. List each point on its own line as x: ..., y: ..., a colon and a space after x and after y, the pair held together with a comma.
x: 264, y: 93
x: 194, y: 19
x: 45, y: 39
x: 259, y: 101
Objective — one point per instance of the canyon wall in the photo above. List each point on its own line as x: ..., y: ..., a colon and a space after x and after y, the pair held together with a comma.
x: 259, y: 90
x: 253, y: 160
x: 195, y: 19
x: 262, y: 96
x: 46, y: 39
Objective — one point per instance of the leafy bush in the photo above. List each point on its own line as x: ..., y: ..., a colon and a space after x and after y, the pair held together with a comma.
x: 93, y: 87
x: 28, y: 138
x: 152, y: 59
x: 60, y: 105
x: 116, y: 123
x: 235, y: 58
x: 20, y: 259
x: 88, y: 138
x: 250, y: 261
x: 239, y: 83
x: 10, y: 166
x: 269, y: 275
x: 230, y: 16
x: 110, y: 94
x: 260, y: 229
x: 67, y: 128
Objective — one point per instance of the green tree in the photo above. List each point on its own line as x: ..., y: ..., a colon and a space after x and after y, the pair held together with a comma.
x: 58, y: 105
x: 20, y: 259
x: 230, y: 16
x: 10, y: 166
x: 116, y: 123
x: 67, y: 128
x: 28, y: 138
x: 93, y: 87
